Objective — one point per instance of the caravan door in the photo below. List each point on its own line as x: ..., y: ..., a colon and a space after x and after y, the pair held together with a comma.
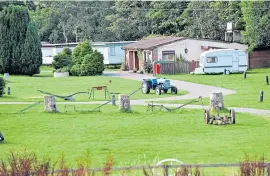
x: 235, y: 62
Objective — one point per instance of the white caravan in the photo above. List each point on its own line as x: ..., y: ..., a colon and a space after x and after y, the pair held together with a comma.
x: 216, y: 61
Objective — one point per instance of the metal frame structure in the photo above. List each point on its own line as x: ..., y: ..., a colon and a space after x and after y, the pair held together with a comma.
x: 69, y: 97
x: 105, y: 88
x: 161, y: 106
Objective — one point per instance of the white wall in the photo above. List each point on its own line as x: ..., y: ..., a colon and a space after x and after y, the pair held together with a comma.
x: 102, y: 50
x: 49, y: 52
x: 194, y: 48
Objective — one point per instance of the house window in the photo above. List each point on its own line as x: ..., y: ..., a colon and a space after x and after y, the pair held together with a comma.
x: 212, y: 60
x: 168, y: 55
x: 112, y: 50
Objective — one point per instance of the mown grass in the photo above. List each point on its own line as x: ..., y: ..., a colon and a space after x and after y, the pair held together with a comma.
x: 132, y: 139
x: 24, y: 88
x: 248, y: 90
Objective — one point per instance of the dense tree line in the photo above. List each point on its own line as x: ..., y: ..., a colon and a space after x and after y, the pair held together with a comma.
x: 75, y: 21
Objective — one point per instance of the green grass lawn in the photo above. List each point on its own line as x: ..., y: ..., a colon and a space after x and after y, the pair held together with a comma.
x: 24, y: 88
x: 248, y: 90
x: 132, y: 139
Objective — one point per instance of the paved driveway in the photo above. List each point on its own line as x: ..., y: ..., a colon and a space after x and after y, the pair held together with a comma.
x: 195, y: 90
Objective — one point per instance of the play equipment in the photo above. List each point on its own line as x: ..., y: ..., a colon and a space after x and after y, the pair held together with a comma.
x: 69, y: 97
x: 1, y: 137
x: 99, y: 88
x: 161, y: 106
x: 159, y: 85
x: 212, y: 116
x: 28, y: 107
x: 96, y: 109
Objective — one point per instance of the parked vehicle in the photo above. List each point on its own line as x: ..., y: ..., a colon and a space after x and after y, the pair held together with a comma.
x: 217, y: 61
x: 157, y: 84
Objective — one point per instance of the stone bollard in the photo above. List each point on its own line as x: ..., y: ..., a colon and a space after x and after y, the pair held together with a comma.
x: 49, y: 104
x: 216, y: 100
x: 124, y: 104
x: 8, y: 90
x: 113, y: 100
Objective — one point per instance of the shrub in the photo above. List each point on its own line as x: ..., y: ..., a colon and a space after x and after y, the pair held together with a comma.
x: 75, y: 70
x: 86, y: 61
x: 2, y: 86
x: 80, y: 51
x: 62, y: 59
x: 124, y: 67
x: 147, y: 67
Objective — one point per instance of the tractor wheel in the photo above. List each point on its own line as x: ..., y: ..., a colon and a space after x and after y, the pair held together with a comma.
x: 158, y: 90
x: 165, y: 90
x: 173, y: 90
x: 145, y: 88
x: 232, y: 113
x: 206, y: 116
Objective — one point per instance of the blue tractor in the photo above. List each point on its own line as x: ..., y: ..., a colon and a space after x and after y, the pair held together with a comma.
x: 159, y: 85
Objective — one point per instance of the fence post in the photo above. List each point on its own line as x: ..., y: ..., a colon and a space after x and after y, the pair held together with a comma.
x: 166, y: 170
x: 268, y: 169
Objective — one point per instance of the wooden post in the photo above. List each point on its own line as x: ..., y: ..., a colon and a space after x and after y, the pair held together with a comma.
x: 216, y: 100
x: 166, y: 170
x: 49, y: 104
x: 124, y: 104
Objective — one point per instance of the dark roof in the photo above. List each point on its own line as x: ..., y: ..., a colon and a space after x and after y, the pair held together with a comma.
x: 152, y: 42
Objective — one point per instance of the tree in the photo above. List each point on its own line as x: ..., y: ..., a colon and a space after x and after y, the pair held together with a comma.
x: 20, y: 48
x: 2, y: 86
x: 32, y: 56
x: 129, y: 22
x: 256, y: 16
x: 208, y: 19
x: 164, y: 16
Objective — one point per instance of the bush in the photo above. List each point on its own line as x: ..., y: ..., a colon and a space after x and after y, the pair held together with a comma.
x: 86, y: 61
x: 80, y: 51
x: 148, y: 67
x: 75, y: 70
x: 124, y: 67
x: 62, y: 59
x: 2, y: 86
x: 64, y: 69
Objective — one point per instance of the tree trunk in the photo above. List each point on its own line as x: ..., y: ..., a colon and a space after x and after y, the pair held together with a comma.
x: 49, y: 104
x: 124, y: 105
x: 216, y: 100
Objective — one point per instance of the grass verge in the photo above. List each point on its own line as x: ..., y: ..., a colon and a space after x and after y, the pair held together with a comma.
x: 248, y: 90
x: 24, y: 88
x: 132, y: 139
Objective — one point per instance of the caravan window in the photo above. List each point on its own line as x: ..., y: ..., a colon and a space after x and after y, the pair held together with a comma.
x: 212, y: 59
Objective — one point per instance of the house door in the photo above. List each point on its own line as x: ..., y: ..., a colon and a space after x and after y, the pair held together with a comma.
x: 235, y: 62
x: 137, y: 64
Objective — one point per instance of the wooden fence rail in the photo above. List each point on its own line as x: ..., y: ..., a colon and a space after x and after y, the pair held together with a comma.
x: 178, y: 67
x: 165, y: 168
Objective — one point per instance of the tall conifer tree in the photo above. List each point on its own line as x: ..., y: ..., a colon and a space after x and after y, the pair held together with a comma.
x: 20, y: 47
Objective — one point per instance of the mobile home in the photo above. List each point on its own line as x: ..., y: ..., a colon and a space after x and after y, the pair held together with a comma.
x: 216, y: 61
x: 112, y: 51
